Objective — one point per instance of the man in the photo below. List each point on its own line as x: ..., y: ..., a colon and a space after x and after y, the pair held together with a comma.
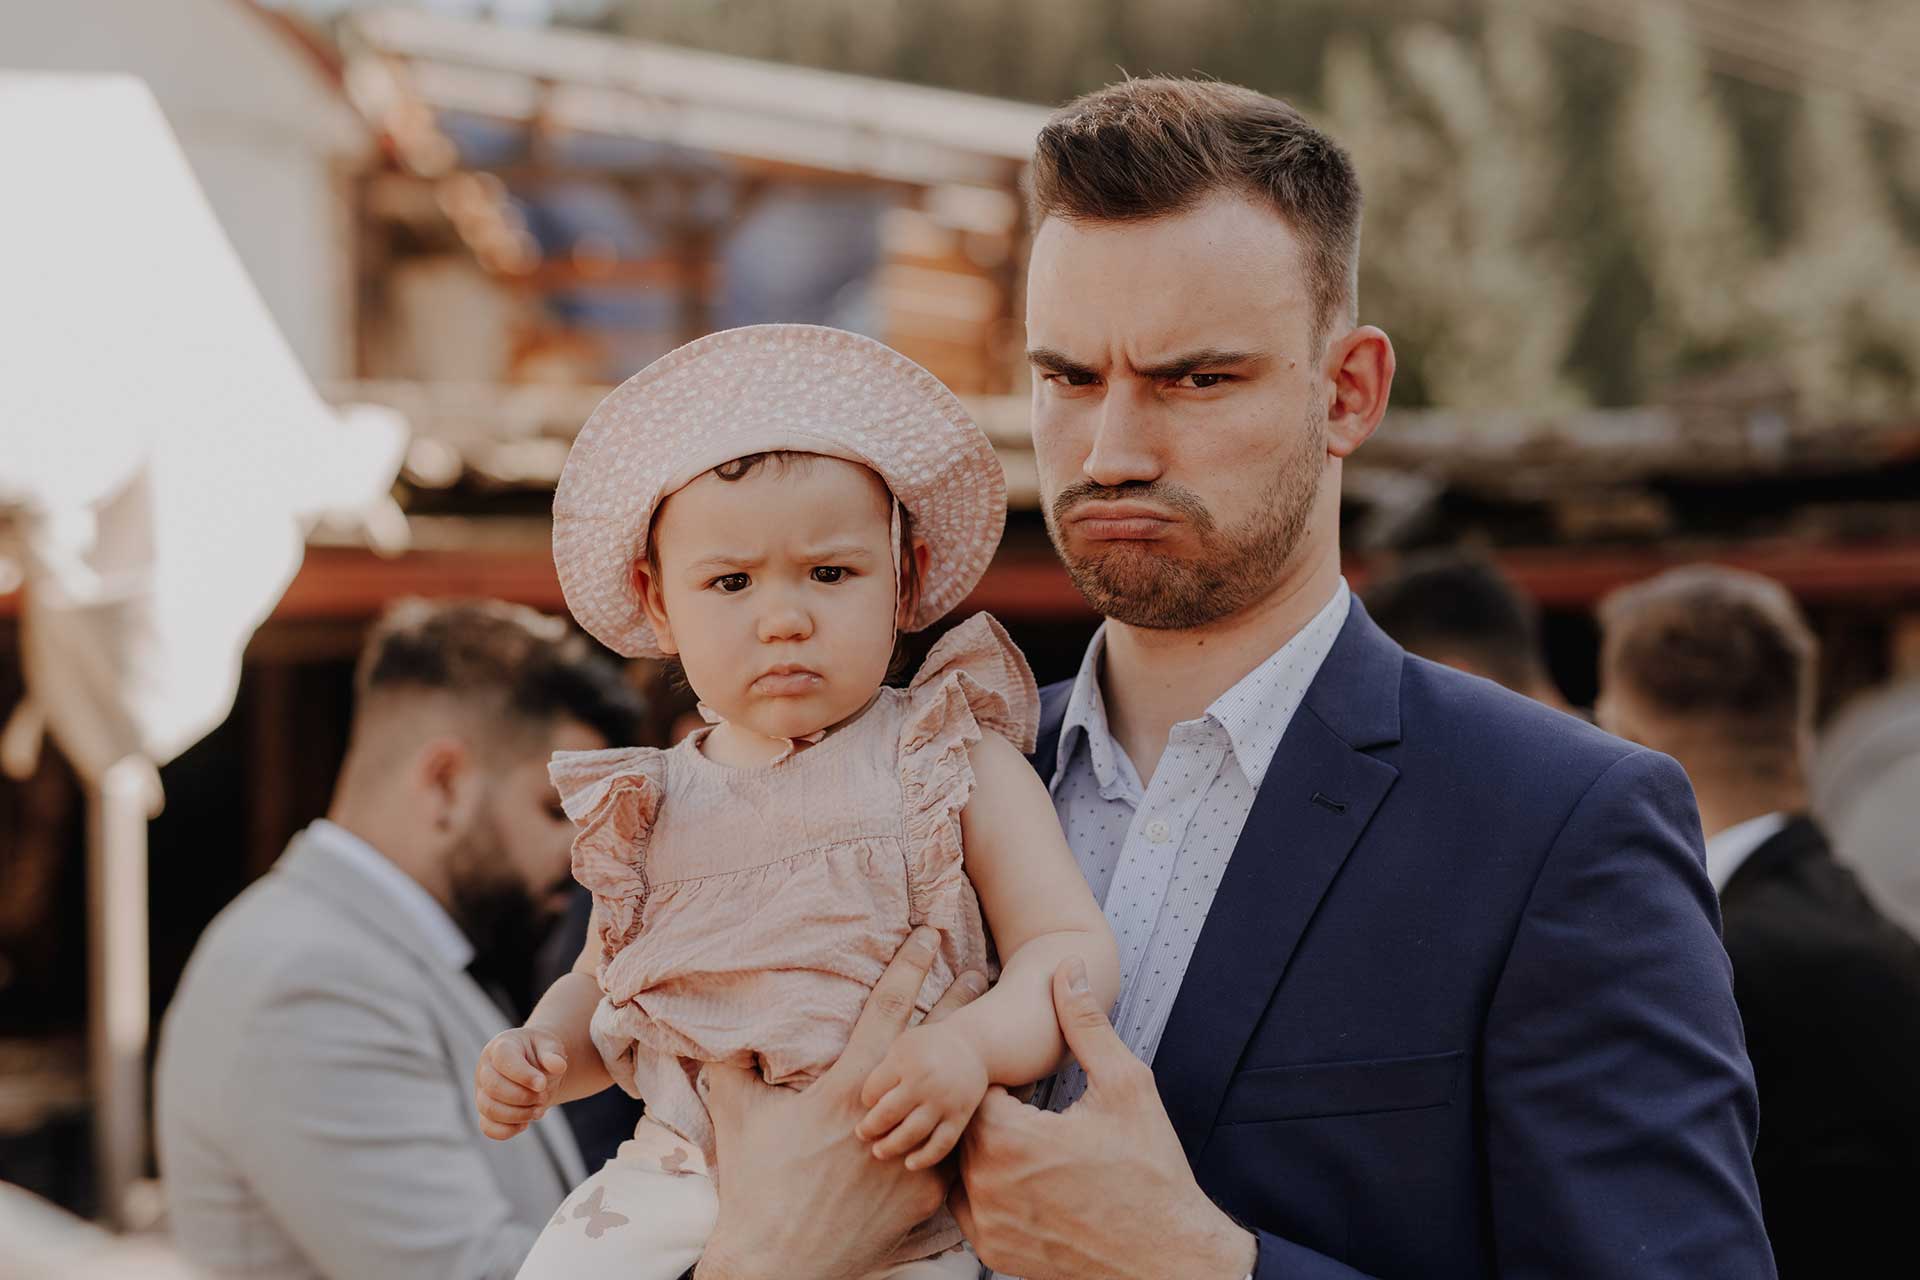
x: 1458, y: 610
x: 1427, y: 975
x: 1717, y: 669
x: 315, y: 1078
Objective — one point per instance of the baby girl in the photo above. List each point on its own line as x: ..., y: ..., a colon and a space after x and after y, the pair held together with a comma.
x: 773, y: 506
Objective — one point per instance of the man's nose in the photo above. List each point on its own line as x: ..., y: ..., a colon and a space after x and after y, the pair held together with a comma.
x: 1125, y: 449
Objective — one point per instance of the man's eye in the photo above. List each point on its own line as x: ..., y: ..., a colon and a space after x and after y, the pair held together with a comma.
x: 829, y: 573
x: 731, y: 583
x: 1203, y: 381
x: 1071, y: 379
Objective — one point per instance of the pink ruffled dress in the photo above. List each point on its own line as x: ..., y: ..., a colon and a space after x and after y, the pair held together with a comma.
x: 746, y: 913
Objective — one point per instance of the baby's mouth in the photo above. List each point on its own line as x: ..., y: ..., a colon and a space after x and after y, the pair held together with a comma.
x: 787, y: 682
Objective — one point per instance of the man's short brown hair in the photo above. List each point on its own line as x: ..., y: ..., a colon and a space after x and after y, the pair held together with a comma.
x: 1726, y: 650
x: 1149, y: 148
x: 512, y: 666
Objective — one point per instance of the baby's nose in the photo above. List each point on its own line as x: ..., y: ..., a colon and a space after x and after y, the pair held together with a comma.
x: 785, y: 624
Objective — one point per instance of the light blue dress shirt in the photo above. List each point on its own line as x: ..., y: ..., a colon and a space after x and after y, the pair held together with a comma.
x: 1154, y: 853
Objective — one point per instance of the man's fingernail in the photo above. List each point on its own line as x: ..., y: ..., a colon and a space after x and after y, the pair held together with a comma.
x: 1077, y: 976
x: 539, y: 1082
x: 922, y: 943
x: 973, y: 983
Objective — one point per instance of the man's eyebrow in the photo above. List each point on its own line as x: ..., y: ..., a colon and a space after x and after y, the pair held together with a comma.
x: 1193, y: 361
x: 1056, y: 362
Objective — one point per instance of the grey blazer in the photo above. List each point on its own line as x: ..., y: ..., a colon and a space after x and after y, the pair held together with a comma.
x: 315, y: 1096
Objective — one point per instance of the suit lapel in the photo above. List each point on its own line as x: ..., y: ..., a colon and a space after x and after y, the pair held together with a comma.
x: 484, y: 1020
x: 342, y: 883
x: 1320, y: 792
x: 1053, y: 714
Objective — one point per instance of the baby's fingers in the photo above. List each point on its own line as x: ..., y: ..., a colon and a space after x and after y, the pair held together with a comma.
x: 514, y: 1062
x: 492, y: 1084
x: 909, y: 1133
x: 880, y: 1081
x: 945, y: 1135
x: 885, y: 1114
x: 500, y: 1132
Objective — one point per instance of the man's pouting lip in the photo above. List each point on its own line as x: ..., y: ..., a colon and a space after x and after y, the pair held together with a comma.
x: 786, y: 680
x: 1120, y: 521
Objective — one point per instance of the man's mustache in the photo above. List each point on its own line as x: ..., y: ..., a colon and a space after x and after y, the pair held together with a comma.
x: 1182, y: 502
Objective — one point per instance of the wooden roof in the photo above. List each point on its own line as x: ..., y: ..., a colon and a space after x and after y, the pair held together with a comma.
x: 756, y: 112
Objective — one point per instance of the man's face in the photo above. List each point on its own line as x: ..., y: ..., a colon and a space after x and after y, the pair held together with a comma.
x: 511, y: 870
x: 1178, y: 410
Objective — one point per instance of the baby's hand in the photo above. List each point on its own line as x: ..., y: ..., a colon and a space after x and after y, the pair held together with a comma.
x: 518, y: 1077
x: 922, y: 1095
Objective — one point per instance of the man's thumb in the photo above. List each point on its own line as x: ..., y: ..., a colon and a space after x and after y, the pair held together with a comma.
x: 1083, y: 1022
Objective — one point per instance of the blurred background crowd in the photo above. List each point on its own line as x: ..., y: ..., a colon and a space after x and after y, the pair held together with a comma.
x: 1652, y: 270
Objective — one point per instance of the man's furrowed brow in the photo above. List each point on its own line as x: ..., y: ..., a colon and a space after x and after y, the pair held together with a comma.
x: 1056, y: 362
x: 1214, y: 358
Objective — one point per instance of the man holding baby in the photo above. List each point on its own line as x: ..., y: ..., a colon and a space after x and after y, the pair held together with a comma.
x: 1418, y: 977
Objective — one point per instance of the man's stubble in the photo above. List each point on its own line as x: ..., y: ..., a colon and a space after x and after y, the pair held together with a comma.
x: 1143, y: 587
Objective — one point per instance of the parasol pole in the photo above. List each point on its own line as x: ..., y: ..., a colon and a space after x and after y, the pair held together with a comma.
x: 118, y: 807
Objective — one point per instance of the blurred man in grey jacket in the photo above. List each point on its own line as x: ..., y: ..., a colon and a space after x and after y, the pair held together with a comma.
x: 315, y: 1080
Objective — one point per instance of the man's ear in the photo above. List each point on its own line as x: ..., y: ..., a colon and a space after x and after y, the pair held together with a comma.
x: 445, y: 776
x: 920, y: 556
x: 646, y: 588
x: 1360, y: 376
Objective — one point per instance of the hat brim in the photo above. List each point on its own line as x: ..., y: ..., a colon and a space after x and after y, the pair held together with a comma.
x: 804, y: 388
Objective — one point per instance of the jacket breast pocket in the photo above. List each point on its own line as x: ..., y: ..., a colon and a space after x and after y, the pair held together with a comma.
x: 1320, y: 1089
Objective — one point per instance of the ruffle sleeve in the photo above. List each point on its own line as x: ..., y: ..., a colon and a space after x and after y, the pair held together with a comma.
x: 975, y: 681
x: 614, y: 799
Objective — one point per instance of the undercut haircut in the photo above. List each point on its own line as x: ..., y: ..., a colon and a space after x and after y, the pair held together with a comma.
x: 1155, y: 147
x: 503, y: 661
x: 1444, y: 604
x: 1722, y: 649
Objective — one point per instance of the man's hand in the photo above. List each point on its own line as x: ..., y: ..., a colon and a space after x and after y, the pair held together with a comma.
x: 1102, y: 1190
x: 801, y: 1197
x: 517, y: 1079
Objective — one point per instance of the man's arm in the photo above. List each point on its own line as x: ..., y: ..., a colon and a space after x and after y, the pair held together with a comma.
x: 1620, y: 1103
x: 358, y: 1136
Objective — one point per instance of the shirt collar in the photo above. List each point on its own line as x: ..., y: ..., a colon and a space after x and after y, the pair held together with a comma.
x: 1257, y: 710
x: 1728, y: 850
x: 1254, y: 711
x: 1086, y: 719
x: 419, y: 906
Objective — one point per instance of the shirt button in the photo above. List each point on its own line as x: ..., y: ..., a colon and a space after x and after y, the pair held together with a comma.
x: 1158, y: 831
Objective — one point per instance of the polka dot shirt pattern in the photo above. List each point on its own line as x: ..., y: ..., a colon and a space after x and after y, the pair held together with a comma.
x: 1154, y: 853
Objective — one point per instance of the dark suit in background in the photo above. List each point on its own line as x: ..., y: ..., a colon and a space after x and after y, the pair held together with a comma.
x: 1830, y: 994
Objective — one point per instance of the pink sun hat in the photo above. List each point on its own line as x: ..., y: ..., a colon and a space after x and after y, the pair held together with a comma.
x: 770, y: 387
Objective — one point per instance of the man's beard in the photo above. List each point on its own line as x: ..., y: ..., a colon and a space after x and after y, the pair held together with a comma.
x: 1143, y: 587
x: 501, y: 916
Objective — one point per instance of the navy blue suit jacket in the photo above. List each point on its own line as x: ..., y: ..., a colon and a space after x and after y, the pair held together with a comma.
x: 1460, y: 1007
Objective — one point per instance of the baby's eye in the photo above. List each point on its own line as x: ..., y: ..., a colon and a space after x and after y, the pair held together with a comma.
x: 731, y: 583
x: 829, y: 573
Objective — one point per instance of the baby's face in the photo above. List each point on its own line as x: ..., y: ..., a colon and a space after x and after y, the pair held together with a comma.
x: 777, y: 591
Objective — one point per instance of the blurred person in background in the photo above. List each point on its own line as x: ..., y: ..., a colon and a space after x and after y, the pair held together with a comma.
x: 316, y: 1064
x: 1716, y: 668
x: 1455, y: 608
x: 1866, y: 789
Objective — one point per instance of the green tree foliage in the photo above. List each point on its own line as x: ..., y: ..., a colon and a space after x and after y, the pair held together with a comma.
x: 1552, y: 217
